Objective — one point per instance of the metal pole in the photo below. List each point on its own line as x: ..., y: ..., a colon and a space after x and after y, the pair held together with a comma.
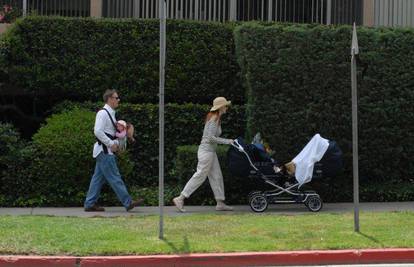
x: 24, y: 8
x: 269, y: 11
x: 161, y: 114
x: 233, y: 10
x: 328, y: 12
x: 354, y: 51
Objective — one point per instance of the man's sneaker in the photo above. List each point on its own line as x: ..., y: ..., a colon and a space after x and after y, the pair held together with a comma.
x: 179, y: 203
x: 134, y: 204
x: 94, y: 208
x: 223, y: 207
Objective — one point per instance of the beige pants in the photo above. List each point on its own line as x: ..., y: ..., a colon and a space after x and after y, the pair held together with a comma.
x: 208, y: 166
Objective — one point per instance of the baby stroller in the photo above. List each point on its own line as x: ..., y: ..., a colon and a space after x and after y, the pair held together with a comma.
x: 249, y: 160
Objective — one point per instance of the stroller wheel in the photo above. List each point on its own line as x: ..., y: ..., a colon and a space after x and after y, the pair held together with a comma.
x: 251, y: 194
x: 258, y: 202
x: 314, y: 203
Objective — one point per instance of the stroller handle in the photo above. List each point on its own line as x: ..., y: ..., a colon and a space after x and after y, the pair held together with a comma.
x: 237, y: 145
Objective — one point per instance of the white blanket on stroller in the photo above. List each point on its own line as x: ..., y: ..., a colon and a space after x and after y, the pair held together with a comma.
x: 310, y: 154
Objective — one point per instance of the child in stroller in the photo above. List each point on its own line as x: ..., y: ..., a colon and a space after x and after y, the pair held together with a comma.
x: 260, y: 154
x: 320, y: 156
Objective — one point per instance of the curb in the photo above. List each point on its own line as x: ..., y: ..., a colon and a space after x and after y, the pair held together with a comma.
x: 312, y: 257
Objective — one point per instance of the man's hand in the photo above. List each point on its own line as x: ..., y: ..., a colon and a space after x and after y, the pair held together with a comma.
x: 114, y: 148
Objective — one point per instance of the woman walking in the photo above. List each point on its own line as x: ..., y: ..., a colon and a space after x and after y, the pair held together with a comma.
x: 208, y: 164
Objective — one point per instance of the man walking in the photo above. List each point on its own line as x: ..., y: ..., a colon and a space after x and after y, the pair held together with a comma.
x: 106, y: 168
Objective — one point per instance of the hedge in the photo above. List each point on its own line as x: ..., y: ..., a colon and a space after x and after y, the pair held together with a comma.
x: 56, y: 168
x: 78, y: 58
x: 15, y: 156
x: 298, y: 80
x: 32, y: 175
x: 62, y: 164
x: 183, y: 126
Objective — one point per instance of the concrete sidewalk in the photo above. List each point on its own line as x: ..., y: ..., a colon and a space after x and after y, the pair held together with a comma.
x: 288, y: 209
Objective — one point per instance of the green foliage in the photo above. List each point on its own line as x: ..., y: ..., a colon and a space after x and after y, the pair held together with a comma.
x: 63, y: 164
x: 15, y: 155
x: 298, y: 82
x: 150, y: 194
x: 10, y: 142
x: 78, y: 58
x: 388, y: 191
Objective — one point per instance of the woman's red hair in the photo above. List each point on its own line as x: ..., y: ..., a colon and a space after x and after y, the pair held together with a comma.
x: 212, y: 114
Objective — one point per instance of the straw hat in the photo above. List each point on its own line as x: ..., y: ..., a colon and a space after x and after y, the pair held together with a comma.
x: 219, y: 102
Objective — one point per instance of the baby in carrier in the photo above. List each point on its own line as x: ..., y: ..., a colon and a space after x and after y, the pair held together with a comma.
x: 124, y: 131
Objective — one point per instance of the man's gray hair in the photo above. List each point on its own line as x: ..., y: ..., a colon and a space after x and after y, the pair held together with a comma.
x: 108, y: 93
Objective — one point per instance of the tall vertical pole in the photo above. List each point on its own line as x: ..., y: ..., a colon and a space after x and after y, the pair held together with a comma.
x: 24, y: 8
x: 161, y: 116
x: 328, y: 12
x: 270, y: 10
x: 355, y: 51
x: 233, y: 10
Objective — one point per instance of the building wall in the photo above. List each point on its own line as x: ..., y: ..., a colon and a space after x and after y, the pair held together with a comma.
x: 394, y: 13
x: 69, y: 8
x: 366, y: 12
x: 299, y: 11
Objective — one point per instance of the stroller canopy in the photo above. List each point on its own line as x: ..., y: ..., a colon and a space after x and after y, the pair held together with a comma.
x: 321, y: 150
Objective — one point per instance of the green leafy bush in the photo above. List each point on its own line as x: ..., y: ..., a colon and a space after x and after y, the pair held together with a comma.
x: 150, y: 194
x: 78, y: 58
x: 15, y: 155
x: 63, y: 164
x: 298, y: 82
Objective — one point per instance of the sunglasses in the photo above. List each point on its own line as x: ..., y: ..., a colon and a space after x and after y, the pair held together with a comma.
x: 117, y: 97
